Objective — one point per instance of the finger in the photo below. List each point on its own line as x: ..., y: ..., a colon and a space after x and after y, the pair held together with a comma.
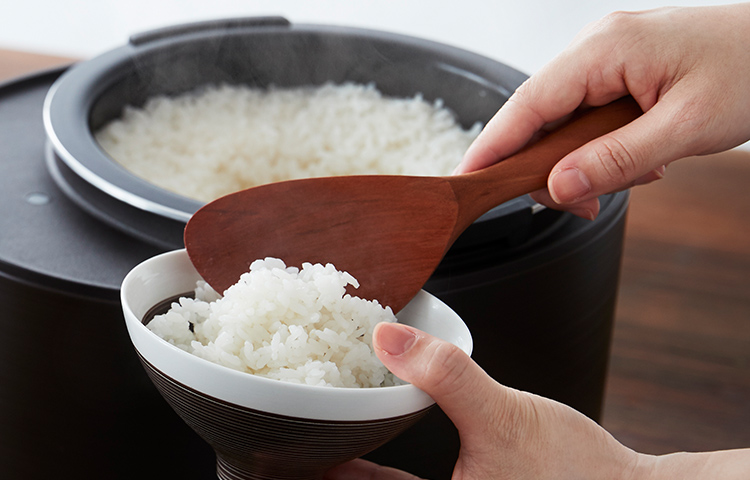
x: 633, y: 154
x: 588, y: 209
x: 557, y: 90
x: 364, y: 470
x: 462, y: 389
x: 513, y: 126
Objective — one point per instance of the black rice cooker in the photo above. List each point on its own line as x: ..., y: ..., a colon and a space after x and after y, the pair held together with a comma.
x: 536, y: 287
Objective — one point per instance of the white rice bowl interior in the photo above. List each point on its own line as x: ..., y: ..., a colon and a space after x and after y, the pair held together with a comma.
x: 290, y: 324
x: 220, y: 139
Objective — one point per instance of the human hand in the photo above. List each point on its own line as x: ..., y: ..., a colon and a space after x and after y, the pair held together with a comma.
x: 689, y: 70
x: 505, y: 433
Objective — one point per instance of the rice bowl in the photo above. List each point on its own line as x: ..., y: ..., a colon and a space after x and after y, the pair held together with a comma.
x: 260, y: 427
x: 172, y: 274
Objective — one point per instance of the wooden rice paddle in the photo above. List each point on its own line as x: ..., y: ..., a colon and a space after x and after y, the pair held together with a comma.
x: 389, y: 231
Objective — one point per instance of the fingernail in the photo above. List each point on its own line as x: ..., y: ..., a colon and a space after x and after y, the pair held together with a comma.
x: 459, y: 168
x: 569, y: 185
x: 652, y: 176
x: 395, y: 339
x: 584, y: 213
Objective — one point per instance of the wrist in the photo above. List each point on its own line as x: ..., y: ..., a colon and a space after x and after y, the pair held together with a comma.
x: 724, y: 465
x: 682, y: 466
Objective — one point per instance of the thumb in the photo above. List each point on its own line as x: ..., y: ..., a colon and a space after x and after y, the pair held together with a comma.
x: 635, y: 154
x: 442, y: 370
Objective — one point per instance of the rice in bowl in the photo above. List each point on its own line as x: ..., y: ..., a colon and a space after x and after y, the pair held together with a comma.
x: 221, y: 139
x: 284, y: 323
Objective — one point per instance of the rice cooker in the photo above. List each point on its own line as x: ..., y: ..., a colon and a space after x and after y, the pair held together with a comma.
x: 536, y: 287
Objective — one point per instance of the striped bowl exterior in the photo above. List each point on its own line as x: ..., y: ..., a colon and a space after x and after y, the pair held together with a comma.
x: 255, y: 445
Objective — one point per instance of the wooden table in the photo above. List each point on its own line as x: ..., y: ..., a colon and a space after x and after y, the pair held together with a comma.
x: 680, y: 367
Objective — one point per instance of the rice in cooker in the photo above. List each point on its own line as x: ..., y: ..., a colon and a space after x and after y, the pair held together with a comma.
x: 221, y: 139
x: 285, y: 323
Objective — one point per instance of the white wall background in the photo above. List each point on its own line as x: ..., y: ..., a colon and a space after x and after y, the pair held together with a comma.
x: 524, y: 34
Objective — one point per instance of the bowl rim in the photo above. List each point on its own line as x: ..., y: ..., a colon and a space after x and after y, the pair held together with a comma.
x: 260, y: 393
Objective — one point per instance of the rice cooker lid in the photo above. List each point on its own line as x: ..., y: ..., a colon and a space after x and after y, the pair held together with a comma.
x: 140, y: 209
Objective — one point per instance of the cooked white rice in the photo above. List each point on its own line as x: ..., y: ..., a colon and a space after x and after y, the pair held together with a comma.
x: 284, y: 323
x: 221, y: 139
